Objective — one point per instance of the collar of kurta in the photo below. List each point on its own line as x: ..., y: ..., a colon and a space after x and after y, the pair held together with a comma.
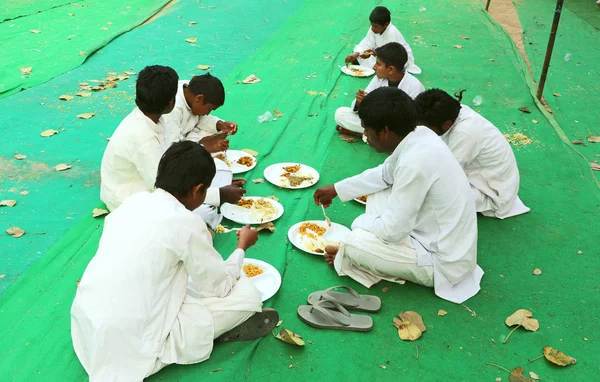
x: 182, y: 99
x: 158, y: 127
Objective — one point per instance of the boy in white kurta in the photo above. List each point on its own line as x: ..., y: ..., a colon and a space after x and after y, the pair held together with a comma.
x: 420, y: 224
x: 382, y: 31
x: 134, y: 313
x: 389, y: 71
x: 481, y: 149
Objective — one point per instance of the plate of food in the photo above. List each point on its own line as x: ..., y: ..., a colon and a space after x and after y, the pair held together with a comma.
x: 357, y: 70
x: 291, y: 175
x: 361, y: 199
x: 313, y: 236
x: 238, y: 161
x: 263, y: 275
x: 253, y: 210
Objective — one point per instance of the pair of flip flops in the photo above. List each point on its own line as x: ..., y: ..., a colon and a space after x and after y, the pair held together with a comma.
x: 329, y: 309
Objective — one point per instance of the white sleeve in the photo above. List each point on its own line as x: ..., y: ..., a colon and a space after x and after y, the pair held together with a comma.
x: 146, y: 157
x: 367, y: 43
x: 206, y: 124
x: 172, y: 124
x: 399, y: 218
x: 368, y: 182
x: 213, y: 197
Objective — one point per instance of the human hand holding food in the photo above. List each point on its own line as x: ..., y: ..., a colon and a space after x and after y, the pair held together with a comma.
x: 360, y: 94
x: 227, y: 127
x: 367, y: 53
x: 351, y: 57
x: 324, y: 195
x: 231, y: 194
x: 247, y: 237
x: 215, y: 143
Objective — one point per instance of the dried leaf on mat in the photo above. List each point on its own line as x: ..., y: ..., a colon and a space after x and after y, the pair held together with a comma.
x: 348, y: 138
x: 191, y: 40
x: 464, y: 37
x: 523, y: 318
x: 517, y: 376
x: 129, y: 73
x: 578, y: 142
x: 458, y: 46
x: 279, y: 323
x: 557, y: 357
x: 534, y: 375
x: 97, y: 212
x: 203, y: 67
x: 525, y: 109
x: 408, y: 331
x: 48, y: 133
x: 268, y: 226
x: 556, y: 94
x: 415, y: 318
x: 251, y: 152
x: 86, y: 115
x: 251, y: 79
x: 82, y: 53
x: 312, y: 92
x: 2, y: 275
x: 192, y: 23
x: 595, y: 166
x: 66, y: 97
x: 24, y: 192
x: 8, y: 203
x: 289, y: 337
x: 20, y: 156
x: 593, y: 139
x: 35, y: 31
x: 258, y: 180
x: 277, y: 113
x: 442, y: 312
x: 62, y: 167
x: 83, y: 94
x: 15, y: 232
x: 537, y: 271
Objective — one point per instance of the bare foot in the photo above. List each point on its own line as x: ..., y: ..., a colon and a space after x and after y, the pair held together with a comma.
x: 330, y: 253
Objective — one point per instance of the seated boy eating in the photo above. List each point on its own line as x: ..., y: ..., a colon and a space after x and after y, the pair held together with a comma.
x: 382, y: 31
x: 134, y: 313
x: 420, y: 223
x: 389, y: 71
x: 481, y: 149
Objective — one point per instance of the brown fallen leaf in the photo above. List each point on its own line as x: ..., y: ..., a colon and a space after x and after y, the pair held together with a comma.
x: 277, y: 113
x: 413, y: 317
x: 578, y: 142
x: 442, y: 312
x: 191, y: 40
x: 83, y: 94
x: 97, y: 212
x: 48, y: 133
x: 86, y: 115
x: 15, y: 232
x: 258, y: 180
x: 595, y: 166
x: 418, y: 37
x: 534, y: 375
x: 556, y: 94
x: 289, y: 337
x: 130, y: 73
x: 408, y: 331
x: 463, y: 37
x: 522, y: 317
x: 203, y: 67
x: 251, y: 79
x: 8, y: 203
x: 216, y: 370
x: 348, y: 138
x: 35, y: 31
x: 62, y: 167
x: 26, y: 70
x: 71, y: 14
x: 268, y: 226
x: 385, y: 289
x: 192, y: 23
x: 537, y: 271
x: 593, y: 139
x: 251, y: 152
x: 557, y: 357
x: 66, y: 97
x: 517, y: 376
x: 20, y: 156
x: 458, y: 46
x: 525, y: 109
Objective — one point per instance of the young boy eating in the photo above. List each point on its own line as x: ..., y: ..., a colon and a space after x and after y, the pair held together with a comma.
x: 389, y: 71
x: 134, y: 313
x: 481, y: 149
x: 382, y: 31
x: 420, y: 223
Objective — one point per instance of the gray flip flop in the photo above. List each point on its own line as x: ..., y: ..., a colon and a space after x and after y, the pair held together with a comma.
x: 257, y: 326
x: 350, y: 300
x: 338, y: 318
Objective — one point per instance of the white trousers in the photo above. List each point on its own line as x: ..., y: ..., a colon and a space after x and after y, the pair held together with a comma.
x: 348, y: 119
x: 487, y: 207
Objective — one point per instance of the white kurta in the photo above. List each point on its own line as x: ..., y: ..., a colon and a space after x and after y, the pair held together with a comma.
x: 374, y: 41
x: 132, y: 314
x: 182, y: 124
x: 430, y: 202
x: 489, y: 162
x: 348, y: 118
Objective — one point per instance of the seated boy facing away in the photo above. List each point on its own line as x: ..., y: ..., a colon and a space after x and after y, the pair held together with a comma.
x: 389, y: 71
x: 420, y: 223
x: 481, y: 149
x: 134, y: 313
x: 131, y: 158
x: 382, y: 31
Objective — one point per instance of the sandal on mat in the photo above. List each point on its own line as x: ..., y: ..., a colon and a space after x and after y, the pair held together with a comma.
x: 338, y: 318
x: 350, y: 300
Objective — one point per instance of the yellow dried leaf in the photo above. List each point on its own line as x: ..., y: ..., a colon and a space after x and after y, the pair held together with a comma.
x: 534, y: 375
x: 66, y: 97
x: 35, y: 31
x: 312, y: 92
x: 593, y: 139
x: 129, y: 73
x: 26, y: 70
x: 556, y: 94
x: 71, y: 14
x: 408, y: 331
x: 191, y: 40
x: 15, y: 232
x: 537, y: 271
x: 2, y: 275
x: 251, y: 152
x: 458, y: 46
x: 258, y: 180
x: 24, y: 192
x: 83, y: 94
x: 463, y: 37
x: 251, y: 79
x: 418, y: 37
x: 413, y: 317
x: 277, y: 113
x: 289, y: 337
x: 8, y: 203
x: 62, y: 167
x: 48, y: 133
x: 557, y: 357
x: 442, y: 312
x: 203, y: 67
x: 517, y: 376
x: 104, y: 28
x: 192, y: 23
x: 86, y: 115
x: 97, y: 212
x: 595, y: 166
x: 20, y: 156
x: 523, y: 317
x: 279, y: 323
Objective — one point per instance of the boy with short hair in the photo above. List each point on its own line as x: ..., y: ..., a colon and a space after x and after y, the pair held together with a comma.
x: 134, y: 312
x: 480, y: 148
x: 389, y: 71
x: 382, y: 31
x: 420, y: 223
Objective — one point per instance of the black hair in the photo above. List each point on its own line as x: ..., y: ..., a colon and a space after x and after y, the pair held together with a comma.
x: 380, y: 16
x: 156, y: 86
x: 391, y: 107
x: 393, y: 54
x: 209, y: 86
x: 435, y: 107
x: 184, y: 165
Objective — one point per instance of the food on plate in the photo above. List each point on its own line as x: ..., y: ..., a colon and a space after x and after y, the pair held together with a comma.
x: 292, y: 169
x: 220, y: 229
x: 357, y: 71
x: 308, y: 228
x: 362, y: 198
x: 311, y: 237
x: 296, y: 180
x: 223, y: 157
x: 246, y: 161
x: 252, y: 270
x: 245, y: 203
x: 263, y: 209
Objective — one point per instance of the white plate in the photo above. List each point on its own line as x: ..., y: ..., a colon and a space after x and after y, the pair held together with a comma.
x: 367, y: 72
x: 268, y: 282
x: 335, y: 233
x: 233, y: 156
x: 360, y: 201
x: 243, y: 215
x: 273, y: 175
